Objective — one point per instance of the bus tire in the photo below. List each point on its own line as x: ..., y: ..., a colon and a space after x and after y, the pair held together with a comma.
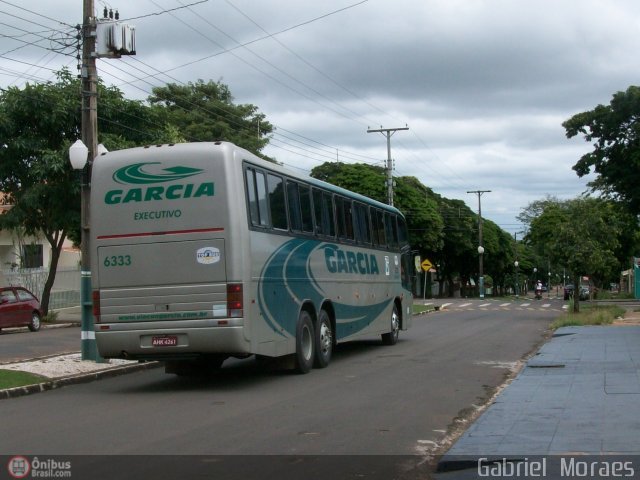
x: 391, y: 338
x: 323, y: 340
x: 304, y: 343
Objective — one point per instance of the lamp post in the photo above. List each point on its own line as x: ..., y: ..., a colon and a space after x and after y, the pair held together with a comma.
x: 481, y: 276
x: 516, y: 264
x: 79, y: 156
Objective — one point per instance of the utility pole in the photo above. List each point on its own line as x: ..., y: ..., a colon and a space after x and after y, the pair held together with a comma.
x: 115, y: 40
x: 89, y: 76
x: 480, y: 246
x: 388, y: 132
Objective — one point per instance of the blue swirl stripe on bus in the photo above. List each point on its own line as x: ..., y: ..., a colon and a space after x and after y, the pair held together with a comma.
x: 287, y: 280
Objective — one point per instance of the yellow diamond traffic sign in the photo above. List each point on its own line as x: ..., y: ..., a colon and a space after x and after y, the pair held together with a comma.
x: 426, y: 265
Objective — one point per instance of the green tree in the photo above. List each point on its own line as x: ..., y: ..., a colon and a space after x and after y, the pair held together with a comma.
x: 499, y: 254
x: 460, y: 243
x: 205, y: 112
x: 614, y: 131
x: 581, y: 235
x: 37, y: 125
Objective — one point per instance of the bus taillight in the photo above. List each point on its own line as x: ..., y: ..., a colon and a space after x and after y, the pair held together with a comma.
x: 235, y: 305
x: 95, y: 296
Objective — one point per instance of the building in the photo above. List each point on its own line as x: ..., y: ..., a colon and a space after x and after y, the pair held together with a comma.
x: 25, y: 260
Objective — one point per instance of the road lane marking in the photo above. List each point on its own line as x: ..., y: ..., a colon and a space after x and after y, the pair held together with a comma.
x: 505, y: 304
x: 511, y: 366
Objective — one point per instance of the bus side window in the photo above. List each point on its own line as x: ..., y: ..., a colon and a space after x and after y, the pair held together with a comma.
x: 276, y: 202
x: 257, y: 197
x: 379, y: 238
x: 305, y: 209
x: 327, y: 210
x: 323, y: 209
x: 344, y: 217
x: 293, y: 198
x: 403, y: 236
x: 391, y: 230
x: 361, y: 217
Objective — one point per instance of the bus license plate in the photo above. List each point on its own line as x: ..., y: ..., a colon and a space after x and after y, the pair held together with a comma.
x: 164, y: 341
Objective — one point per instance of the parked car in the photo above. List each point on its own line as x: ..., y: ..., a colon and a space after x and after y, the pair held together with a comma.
x: 584, y: 292
x: 19, y: 308
x: 568, y: 291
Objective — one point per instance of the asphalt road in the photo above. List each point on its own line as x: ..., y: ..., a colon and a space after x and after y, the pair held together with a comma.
x: 21, y: 344
x: 403, y: 400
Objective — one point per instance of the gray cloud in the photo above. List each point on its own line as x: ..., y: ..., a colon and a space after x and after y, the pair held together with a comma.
x: 484, y: 86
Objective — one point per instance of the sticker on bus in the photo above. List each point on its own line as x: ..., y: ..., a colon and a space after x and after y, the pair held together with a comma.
x: 208, y: 255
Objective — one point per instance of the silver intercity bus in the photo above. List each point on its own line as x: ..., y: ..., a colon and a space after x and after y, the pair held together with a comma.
x: 202, y: 251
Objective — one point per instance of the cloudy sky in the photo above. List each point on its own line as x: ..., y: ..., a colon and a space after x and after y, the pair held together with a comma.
x: 483, y: 85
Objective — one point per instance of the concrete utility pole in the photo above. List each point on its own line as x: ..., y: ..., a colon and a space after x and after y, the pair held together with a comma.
x: 89, y: 76
x: 480, y: 245
x: 388, y: 132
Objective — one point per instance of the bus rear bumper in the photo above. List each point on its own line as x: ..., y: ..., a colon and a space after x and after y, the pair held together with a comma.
x: 171, y: 343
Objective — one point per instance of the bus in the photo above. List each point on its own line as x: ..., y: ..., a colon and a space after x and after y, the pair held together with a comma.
x: 204, y: 251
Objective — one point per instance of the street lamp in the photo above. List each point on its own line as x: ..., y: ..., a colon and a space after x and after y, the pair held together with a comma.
x: 79, y: 158
x: 78, y: 154
x: 516, y: 264
x: 481, y: 277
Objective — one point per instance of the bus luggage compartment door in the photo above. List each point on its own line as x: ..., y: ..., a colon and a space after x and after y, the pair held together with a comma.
x: 162, y: 281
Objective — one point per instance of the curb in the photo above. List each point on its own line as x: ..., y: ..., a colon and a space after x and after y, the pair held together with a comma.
x: 43, y: 326
x: 76, y: 379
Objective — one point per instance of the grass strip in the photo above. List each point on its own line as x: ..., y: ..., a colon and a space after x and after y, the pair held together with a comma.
x: 11, y: 379
x: 589, y: 315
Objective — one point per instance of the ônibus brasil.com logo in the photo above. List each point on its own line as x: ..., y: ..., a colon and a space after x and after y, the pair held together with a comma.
x: 21, y: 467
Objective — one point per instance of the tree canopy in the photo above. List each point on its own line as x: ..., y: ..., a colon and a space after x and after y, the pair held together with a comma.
x: 614, y: 131
x: 204, y: 112
x: 582, y: 235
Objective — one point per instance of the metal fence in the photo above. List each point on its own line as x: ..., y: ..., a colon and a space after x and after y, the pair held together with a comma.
x: 65, y: 291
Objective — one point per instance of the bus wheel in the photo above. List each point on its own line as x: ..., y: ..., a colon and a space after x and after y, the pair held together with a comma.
x: 391, y: 338
x: 304, y: 343
x: 324, y: 340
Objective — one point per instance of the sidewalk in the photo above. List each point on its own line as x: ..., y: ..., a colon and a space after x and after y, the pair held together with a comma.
x: 580, y: 395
